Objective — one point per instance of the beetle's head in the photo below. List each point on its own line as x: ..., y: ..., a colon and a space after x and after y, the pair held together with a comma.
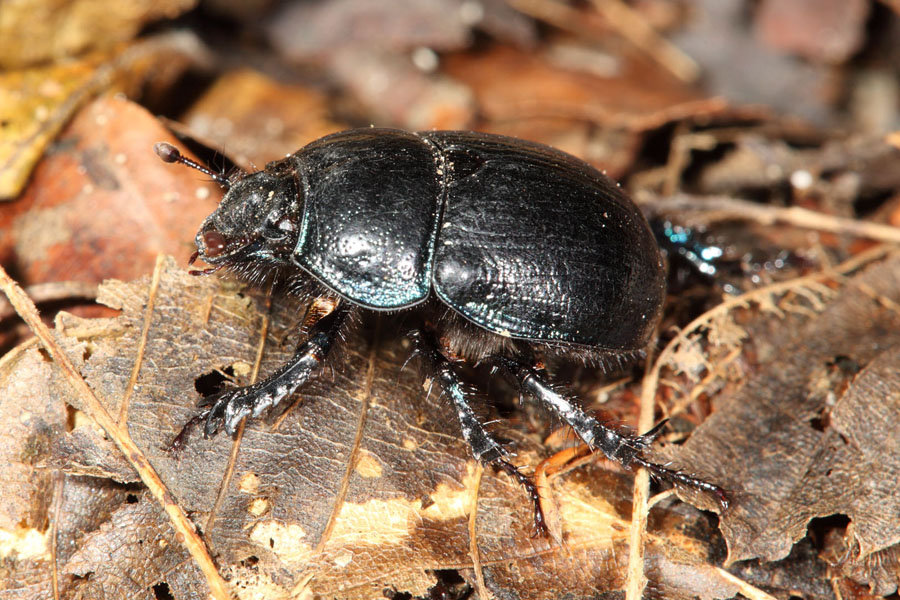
x: 255, y: 227
x: 256, y: 223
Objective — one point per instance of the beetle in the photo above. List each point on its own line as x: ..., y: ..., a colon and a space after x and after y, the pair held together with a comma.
x: 511, y: 252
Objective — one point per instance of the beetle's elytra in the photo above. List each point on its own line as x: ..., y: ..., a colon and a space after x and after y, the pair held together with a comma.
x: 510, y: 250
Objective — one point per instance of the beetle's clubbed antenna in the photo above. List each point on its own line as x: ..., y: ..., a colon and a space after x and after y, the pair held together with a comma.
x: 170, y: 154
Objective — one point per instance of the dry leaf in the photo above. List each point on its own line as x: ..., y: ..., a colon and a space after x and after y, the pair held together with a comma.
x: 366, y: 485
x: 36, y: 31
x: 133, y: 554
x: 104, y: 205
x: 821, y: 437
x: 35, y: 103
x: 536, y: 99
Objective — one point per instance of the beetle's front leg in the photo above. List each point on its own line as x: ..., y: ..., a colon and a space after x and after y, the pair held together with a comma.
x: 617, y: 444
x: 230, y: 407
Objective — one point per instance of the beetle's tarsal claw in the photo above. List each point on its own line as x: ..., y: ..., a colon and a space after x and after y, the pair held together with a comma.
x: 178, y: 444
x: 539, y: 522
x: 648, y: 437
x: 677, y: 477
x: 227, y: 409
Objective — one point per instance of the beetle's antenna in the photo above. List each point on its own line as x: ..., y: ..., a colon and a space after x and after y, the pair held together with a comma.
x: 171, y: 154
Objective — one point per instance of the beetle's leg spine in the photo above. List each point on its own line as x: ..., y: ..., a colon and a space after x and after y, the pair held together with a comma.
x: 672, y: 475
x: 485, y: 448
x: 621, y: 446
x: 229, y: 408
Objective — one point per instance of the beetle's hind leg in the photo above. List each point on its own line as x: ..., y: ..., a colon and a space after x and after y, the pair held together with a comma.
x: 485, y: 448
x: 617, y: 444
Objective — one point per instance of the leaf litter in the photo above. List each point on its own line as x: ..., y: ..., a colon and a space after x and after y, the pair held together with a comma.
x: 361, y: 487
x: 809, y: 433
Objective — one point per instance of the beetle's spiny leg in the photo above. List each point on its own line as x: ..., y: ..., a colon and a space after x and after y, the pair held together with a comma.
x: 484, y: 447
x: 619, y: 445
x: 662, y: 472
x: 616, y: 445
x: 539, y: 528
x: 442, y: 372
x: 230, y: 407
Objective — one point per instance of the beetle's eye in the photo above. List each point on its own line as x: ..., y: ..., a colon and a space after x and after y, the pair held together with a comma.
x: 278, y: 227
x: 214, y: 243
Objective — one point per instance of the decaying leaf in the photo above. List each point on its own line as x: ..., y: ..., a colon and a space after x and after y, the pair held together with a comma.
x: 34, y: 106
x: 818, y: 420
x: 40, y: 31
x: 36, y: 102
x: 366, y: 485
x: 103, y: 205
x: 133, y: 554
x: 538, y: 100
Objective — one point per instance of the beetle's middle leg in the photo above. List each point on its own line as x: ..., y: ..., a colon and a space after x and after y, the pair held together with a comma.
x: 617, y: 444
x: 485, y: 448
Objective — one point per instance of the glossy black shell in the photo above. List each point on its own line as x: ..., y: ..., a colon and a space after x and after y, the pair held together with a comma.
x: 521, y: 239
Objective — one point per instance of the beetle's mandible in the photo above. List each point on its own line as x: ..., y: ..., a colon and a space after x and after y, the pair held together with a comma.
x: 511, y: 251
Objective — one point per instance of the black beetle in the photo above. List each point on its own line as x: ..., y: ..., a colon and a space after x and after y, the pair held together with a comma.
x: 513, y: 251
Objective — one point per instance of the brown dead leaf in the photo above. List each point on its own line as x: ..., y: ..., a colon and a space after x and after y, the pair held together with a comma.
x: 537, y: 99
x: 36, y: 31
x: 133, y: 554
x: 535, y: 87
x: 37, y: 102
x: 250, y: 115
x: 822, y: 437
x: 104, y: 205
x: 366, y: 485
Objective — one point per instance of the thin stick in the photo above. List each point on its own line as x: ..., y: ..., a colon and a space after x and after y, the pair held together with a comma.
x: 723, y: 207
x: 633, y: 27
x: 184, y: 528
x: 142, y: 344
x: 474, y: 551
x: 636, y: 580
x: 53, y: 291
